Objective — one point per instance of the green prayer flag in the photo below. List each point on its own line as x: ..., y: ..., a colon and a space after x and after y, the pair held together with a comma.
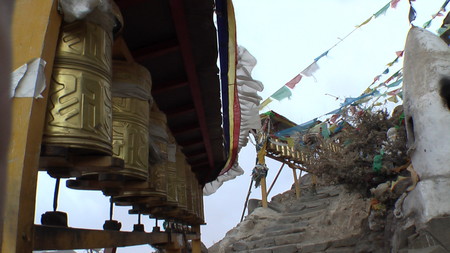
x: 325, y: 130
x: 282, y: 93
x: 382, y: 10
x: 396, y: 83
x: 427, y: 24
x: 378, y: 162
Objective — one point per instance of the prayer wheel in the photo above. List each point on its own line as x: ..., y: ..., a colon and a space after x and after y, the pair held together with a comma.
x: 79, y: 114
x: 171, y: 171
x: 189, y: 190
x: 181, y: 179
x: 131, y: 94
x: 156, y: 194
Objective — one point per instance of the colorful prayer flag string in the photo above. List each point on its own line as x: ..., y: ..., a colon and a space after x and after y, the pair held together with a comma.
x: 309, y: 71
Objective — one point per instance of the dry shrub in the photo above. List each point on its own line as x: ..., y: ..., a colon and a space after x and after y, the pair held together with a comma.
x: 358, y: 143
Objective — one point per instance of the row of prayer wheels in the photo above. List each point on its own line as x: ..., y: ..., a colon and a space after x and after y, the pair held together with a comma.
x: 101, y: 107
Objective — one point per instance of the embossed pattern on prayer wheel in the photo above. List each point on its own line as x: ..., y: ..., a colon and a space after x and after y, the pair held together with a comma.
x: 171, y: 171
x: 131, y: 118
x: 79, y: 109
x: 181, y: 179
x: 158, y: 126
x: 189, y: 194
x: 195, y: 196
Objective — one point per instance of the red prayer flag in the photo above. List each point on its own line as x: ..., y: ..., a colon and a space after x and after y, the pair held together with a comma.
x: 394, y: 3
x: 399, y: 53
x: 376, y: 79
x: 291, y: 84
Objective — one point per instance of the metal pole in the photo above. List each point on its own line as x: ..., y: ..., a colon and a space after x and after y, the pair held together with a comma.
x: 276, y: 177
x: 246, y: 199
x: 297, y: 185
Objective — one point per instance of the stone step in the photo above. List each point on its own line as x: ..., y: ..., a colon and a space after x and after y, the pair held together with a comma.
x: 289, y: 248
x: 307, y: 210
x: 278, y: 240
x: 301, y: 204
x: 305, y: 216
x: 287, y: 231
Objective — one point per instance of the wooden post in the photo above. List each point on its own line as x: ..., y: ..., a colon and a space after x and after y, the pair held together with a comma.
x: 35, y: 31
x: 264, y: 192
x: 196, y: 243
x: 296, y: 184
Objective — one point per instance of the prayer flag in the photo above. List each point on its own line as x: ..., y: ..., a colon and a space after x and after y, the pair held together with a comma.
x: 376, y: 79
x: 282, y: 93
x: 427, y: 24
x: 382, y: 10
x: 365, y: 22
x: 325, y: 131
x: 265, y: 103
x: 386, y: 71
x: 291, y: 84
x: 412, y: 14
x: 399, y: 53
x: 396, y: 83
x: 310, y: 70
x: 322, y: 55
x: 394, y: 3
x: 445, y: 5
x: 299, y: 128
x: 393, y: 99
x: 394, y: 92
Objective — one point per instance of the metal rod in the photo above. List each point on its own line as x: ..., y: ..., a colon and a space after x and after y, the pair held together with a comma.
x: 246, y: 199
x: 275, y: 179
x: 55, y: 195
x: 139, y: 218
x: 111, y: 207
x: 296, y: 184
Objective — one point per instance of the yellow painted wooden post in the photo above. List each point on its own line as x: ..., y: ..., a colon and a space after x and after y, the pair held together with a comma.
x: 296, y: 184
x: 196, y: 243
x: 34, y: 35
x: 264, y: 192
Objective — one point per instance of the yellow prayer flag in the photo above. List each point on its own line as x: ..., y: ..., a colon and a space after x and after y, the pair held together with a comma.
x: 265, y: 103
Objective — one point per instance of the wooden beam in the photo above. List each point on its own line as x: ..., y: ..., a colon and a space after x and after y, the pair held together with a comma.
x: 186, y: 129
x: 182, y: 30
x: 123, y: 4
x: 196, y: 155
x: 35, y: 32
x: 264, y: 192
x: 161, y: 88
x: 180, y: 111
x: 196, y: 243
x: 62, y: 238
x: 156, y: 50
x: 190, y: 144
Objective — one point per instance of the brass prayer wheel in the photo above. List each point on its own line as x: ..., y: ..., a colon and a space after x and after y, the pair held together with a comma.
x: 156, y: 193
x: 189, y: 189
x: 79, y: 112
x: 181, y: 179
x: 131, y: 95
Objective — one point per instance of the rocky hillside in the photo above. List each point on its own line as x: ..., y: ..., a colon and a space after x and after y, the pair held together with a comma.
x: 332, y: 219
x: 327, y: 219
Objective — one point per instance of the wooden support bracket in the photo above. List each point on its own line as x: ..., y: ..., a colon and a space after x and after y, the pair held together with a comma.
x: 62, y: 238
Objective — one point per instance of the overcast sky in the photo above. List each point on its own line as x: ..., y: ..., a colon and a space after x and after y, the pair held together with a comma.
x: 284, y: 36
